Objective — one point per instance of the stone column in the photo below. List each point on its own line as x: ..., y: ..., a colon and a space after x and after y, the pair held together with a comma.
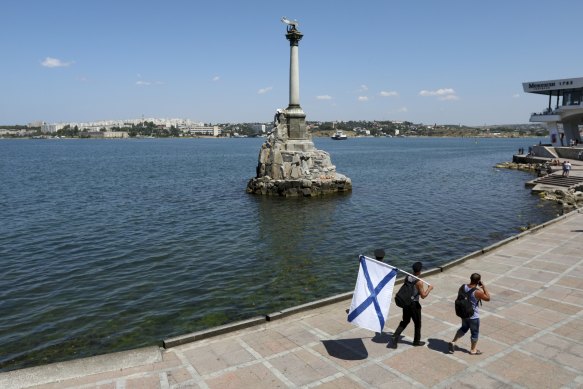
x: 296, y: 118
x: 294, y: 37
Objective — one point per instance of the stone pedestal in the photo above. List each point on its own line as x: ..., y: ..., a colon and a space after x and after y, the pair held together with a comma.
x: 296, y: 123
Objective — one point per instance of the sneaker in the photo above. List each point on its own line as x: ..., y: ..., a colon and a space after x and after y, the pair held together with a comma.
x: 451, y: 347
x: 419, y: 343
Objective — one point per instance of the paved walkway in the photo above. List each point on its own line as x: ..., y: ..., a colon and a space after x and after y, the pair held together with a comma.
x: 531, y: 337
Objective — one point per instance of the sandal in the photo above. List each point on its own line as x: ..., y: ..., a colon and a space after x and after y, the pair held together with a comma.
x: 478, y: 352
x: 451, y: 347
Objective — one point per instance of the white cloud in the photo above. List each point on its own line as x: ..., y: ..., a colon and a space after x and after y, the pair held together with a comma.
x: 516, y: 96
x: 449, y: 97
x: 388, y: 93
x: 324, y: 97
x: 50, y: 62
x: 264, y: 90
x: 147, y: 83
x: 216, y: 78
x: 362, y: 98
x: 363, y: 88
x: 442, y: 94
x: 402, y: 109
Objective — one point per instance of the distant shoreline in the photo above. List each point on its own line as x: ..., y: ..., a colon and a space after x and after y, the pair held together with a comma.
x: 262, y: 137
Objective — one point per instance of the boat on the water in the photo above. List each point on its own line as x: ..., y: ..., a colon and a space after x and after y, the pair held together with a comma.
x: 339, y: 135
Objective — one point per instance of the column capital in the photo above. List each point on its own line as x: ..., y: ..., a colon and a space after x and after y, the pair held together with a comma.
x: 293, y: 36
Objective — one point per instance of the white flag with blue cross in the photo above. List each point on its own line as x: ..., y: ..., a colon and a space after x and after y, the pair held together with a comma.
x: 372, y: 295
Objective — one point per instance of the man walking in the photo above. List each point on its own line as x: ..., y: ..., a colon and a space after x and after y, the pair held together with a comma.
x: 413, y: 311
x: 567, y: 168
x: 472, y: 323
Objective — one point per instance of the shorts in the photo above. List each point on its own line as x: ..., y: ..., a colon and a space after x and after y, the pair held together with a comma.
x: 473, y: 325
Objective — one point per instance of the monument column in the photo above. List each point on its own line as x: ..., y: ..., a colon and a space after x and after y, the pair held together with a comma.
x: 294, y: 37
x: 296, y: 118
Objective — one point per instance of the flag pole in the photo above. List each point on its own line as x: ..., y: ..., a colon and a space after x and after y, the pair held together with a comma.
x: 377, y: 261
x: 396, y: 268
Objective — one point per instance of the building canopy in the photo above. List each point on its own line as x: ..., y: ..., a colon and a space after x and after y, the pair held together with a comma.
x: 550, y: 86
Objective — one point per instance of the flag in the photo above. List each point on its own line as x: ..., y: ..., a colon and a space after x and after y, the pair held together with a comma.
x: 372, y: 294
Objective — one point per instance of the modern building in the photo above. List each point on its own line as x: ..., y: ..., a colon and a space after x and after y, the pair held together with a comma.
x: 105, y: 134
x: 564, y: 113
x: 204, y: 130
x: 51, y: 128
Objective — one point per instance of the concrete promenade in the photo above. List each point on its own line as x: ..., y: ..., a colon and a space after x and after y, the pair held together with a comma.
x: 531, y: 336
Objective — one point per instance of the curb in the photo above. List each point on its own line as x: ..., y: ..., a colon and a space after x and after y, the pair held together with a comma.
x: 77, y: 368
x: 214, y: 331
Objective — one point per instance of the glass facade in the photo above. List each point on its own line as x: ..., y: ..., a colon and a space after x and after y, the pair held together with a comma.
x: 572, y: 97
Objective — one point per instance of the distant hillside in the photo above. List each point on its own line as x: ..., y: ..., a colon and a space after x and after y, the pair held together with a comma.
x: 386, y: 128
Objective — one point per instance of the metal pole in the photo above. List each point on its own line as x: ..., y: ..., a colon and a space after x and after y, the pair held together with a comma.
x: 396, y: 268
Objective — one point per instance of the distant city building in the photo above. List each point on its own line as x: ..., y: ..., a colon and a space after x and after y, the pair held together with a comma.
x: 258, y: 128
x: 108, y: 125
x: 16, y: 132
x: 104, y: 134
x: 202, y: 130
x: 50, y: 128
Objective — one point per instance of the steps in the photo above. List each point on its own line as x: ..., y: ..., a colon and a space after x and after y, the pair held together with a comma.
x: 557, y: 180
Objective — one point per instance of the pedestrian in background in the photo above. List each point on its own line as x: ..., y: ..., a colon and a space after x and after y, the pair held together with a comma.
x: 567, y: 168
x: 472, y: 323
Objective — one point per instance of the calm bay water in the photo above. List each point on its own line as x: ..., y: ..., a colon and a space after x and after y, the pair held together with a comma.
x: 108, y: 245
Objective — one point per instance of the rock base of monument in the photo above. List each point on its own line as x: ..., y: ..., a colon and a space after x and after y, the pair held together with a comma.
x: 299, y: 188
x: 294, y: 167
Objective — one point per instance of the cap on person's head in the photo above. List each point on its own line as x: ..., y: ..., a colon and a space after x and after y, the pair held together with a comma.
x: 379, y: 253
x: 417, y: 266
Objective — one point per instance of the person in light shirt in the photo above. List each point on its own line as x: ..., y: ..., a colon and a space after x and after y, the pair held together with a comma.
x: 472, y: 323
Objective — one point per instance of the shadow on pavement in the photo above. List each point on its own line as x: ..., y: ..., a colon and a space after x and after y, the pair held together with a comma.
x: 438, y: 345
x: 381, y: 337
x: 347, y: 349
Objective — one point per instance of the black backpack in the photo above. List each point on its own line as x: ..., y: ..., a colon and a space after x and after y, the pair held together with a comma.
x: 463, y: 304
x: 405, y: 295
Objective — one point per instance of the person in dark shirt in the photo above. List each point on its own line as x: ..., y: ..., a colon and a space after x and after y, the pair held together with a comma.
x: 413, y: 311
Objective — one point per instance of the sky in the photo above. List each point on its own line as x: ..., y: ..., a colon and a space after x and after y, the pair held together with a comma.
x: 444, y: 62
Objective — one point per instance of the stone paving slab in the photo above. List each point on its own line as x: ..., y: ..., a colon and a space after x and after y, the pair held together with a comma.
x: 531, y: 336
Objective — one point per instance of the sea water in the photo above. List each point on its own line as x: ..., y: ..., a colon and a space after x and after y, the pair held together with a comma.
x: 108, y: 245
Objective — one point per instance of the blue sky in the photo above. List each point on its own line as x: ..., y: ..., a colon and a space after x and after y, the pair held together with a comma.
x: 444, y: 62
